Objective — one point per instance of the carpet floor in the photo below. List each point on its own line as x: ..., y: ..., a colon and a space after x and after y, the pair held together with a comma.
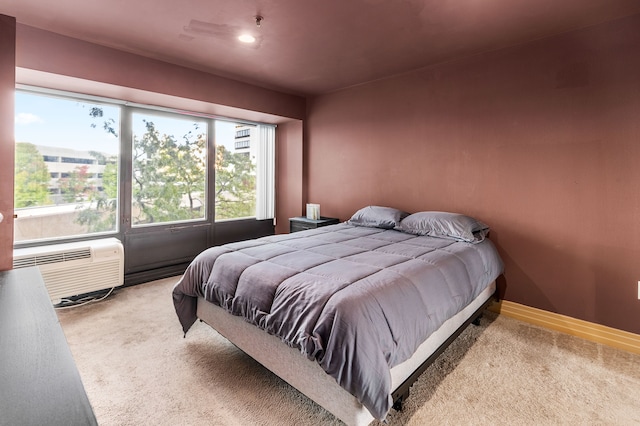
x: 139, y: 370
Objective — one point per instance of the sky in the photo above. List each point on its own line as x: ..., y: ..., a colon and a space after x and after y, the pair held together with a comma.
x: 66, y: 123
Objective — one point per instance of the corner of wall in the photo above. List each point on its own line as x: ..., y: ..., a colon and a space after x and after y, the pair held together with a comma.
x: 7, y: 112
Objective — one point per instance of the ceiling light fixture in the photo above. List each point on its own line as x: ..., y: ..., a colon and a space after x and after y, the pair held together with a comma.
x: 248, y: 38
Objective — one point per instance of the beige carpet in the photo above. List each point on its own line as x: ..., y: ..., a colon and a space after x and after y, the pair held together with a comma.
x: 139, y: 370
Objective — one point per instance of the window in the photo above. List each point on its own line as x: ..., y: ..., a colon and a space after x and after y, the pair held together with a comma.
x: 58, y: 145
x: 88, y: 166
x: 77, y: 160
x: 169, y: 169
x: 243, y: 144
x: 242, y: 133
x: 244, y: 180
x: 235, y: 173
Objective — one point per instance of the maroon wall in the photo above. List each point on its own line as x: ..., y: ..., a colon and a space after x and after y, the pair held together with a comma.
x: 289, y: 174
x: 53, y: 53
x: 7, y: 144
x: 540, y: 141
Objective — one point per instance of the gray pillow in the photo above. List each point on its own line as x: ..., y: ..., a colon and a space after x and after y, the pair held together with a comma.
x: 377, y: 217
x: 445, y: 225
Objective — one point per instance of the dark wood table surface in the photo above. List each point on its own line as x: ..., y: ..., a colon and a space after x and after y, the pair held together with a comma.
x: 39, y: 381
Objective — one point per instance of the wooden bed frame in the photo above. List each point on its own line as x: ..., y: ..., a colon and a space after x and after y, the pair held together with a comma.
x: 309, y: 378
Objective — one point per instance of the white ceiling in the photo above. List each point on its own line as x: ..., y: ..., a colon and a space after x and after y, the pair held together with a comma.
x: 309, y: 47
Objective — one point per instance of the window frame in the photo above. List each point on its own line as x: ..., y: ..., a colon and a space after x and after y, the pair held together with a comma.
x: 123, y: 216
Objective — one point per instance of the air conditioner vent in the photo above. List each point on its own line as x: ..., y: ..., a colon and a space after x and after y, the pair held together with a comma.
x: 76, y: 254
x: 46, y: 259
x: 75, y: 268
x: 24, y: 263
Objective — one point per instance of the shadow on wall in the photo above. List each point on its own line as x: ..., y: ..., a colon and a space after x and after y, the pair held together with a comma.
x: 514, y: 274
x: 561, y: 275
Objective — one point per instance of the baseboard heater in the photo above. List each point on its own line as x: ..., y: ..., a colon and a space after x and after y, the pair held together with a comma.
x: 72, y: 269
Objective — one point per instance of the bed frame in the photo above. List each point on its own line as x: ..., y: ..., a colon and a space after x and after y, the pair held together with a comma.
x: 310, y: 379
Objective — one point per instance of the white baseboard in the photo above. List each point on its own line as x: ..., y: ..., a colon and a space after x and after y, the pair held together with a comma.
x: 587, y: 330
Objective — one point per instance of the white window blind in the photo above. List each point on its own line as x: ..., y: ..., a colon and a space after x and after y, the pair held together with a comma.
x: 266, y: 182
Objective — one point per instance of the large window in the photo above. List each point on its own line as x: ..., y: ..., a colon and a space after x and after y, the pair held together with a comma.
x: 66, y: 168
x: 89, y: 166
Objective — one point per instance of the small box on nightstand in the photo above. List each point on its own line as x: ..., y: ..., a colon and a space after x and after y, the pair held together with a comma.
x: 302, y: 223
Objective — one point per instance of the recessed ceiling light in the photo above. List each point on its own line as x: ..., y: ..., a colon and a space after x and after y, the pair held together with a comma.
x: 247, y: 38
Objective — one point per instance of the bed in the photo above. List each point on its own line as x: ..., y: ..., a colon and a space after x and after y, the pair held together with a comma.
x: 349, y: 314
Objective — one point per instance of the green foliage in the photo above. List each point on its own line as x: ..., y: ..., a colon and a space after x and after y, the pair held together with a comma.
x: 102, y: 213
x: 235, y: 185
x: 76, y: 187
x: 168, y: 176
x: 31, y: 177
x: 107, y: 125
x: 110, y: 179
x: 99, y: 156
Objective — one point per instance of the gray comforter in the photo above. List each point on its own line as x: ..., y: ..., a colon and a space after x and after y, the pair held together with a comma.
x: 357, y: 300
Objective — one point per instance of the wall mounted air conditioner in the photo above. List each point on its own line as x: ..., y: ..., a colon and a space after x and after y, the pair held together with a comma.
x: 77, y: 268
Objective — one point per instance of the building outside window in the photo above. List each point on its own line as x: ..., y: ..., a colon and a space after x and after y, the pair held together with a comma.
x: 54, y: 158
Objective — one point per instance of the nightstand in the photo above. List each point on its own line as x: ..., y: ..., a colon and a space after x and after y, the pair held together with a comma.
x: 301, y: 223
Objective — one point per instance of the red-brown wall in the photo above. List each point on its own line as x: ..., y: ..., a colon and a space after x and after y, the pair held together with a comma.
x: 289, y: 174
x: 540, y: 141
x: 57, y: 54
x: 7, y: 144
